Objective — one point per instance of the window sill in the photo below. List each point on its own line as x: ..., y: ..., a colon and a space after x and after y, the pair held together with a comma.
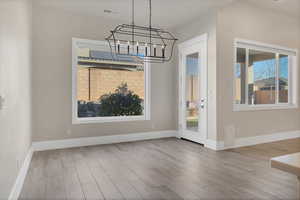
x: 96, y: 120
x: 240, y: 108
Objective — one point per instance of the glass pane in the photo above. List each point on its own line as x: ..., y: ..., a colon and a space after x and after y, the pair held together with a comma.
x: 105, y: 88
x: 261, y: 77
x: 192, y: 92
x: 283, y: 78
x: 240, y: 75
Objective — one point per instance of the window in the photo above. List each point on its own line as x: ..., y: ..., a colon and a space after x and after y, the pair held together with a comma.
x: 263, y: 76
x: 107, y: 89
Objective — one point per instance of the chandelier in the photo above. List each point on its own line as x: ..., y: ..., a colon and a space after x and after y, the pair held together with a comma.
x: 146, y: 43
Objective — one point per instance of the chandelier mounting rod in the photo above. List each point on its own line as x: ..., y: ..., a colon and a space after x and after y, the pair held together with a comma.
x: 150, y: 23
x: 133, y: 6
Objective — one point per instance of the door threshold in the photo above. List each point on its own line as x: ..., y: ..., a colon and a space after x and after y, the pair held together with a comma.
x: 192, y: 141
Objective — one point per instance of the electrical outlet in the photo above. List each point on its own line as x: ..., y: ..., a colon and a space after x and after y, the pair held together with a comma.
x: 19, y: 164
x: 69, y: 132
x: 153, y: 126
x: 229, y: 135
x: 1, y: 102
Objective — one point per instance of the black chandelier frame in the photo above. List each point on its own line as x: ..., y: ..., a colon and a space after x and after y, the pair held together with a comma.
x: 153, y: 51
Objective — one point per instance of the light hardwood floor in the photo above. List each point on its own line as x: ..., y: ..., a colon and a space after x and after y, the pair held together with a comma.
x: 160, y: 169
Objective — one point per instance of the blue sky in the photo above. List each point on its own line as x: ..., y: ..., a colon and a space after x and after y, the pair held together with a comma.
x: 192, y: 66
x: 265, y: 69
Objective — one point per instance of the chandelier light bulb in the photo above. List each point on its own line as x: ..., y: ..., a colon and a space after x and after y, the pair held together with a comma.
x: 146, y: 49
x: 128, y: 47
x: 118, y: 44
x: 137, y: 47
x: 154, y: 50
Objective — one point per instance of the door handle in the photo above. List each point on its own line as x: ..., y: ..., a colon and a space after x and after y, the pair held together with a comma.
x: 202, y: 103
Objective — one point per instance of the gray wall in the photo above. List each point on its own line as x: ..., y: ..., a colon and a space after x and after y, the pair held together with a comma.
x: 245, y: 21
x: 15, y: 85
x: 52, y: 32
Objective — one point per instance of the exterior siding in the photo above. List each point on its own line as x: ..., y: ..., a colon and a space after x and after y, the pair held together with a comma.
x: 104, y: 81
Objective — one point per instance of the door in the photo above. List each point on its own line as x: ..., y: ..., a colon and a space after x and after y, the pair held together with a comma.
x: 193, y: 89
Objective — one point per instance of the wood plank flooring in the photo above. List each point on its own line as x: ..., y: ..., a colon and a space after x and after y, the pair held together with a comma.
x: 160, y: 169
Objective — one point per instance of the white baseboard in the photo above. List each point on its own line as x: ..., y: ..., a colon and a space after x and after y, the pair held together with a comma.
x: 249, y: 141
x: 89, y: 141
x: 211, y: 144
x: 17, y: 188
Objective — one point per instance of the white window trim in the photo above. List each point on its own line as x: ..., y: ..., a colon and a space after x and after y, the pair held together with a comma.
x: 75, y: 119
x: 293, y: 75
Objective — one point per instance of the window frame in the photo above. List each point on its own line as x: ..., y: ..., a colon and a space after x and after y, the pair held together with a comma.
x: 77, y: 42
x: 292, y: 75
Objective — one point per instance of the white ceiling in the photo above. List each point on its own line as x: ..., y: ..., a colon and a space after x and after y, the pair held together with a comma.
x: 290, y: 7
x: 166, y: 13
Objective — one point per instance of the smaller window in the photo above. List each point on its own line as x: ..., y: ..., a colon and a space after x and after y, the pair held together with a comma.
x: 240, y: 76
x: 283, y: 78
x: 263, y: 76
x: 261, y: 71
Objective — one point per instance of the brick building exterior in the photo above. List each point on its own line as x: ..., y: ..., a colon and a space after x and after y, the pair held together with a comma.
x: 103, y: 81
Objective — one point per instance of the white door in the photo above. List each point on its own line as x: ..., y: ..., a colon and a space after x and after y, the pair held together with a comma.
x: 193, y: 89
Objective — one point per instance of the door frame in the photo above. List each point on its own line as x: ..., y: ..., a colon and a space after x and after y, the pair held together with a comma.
x: 200, y: 43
